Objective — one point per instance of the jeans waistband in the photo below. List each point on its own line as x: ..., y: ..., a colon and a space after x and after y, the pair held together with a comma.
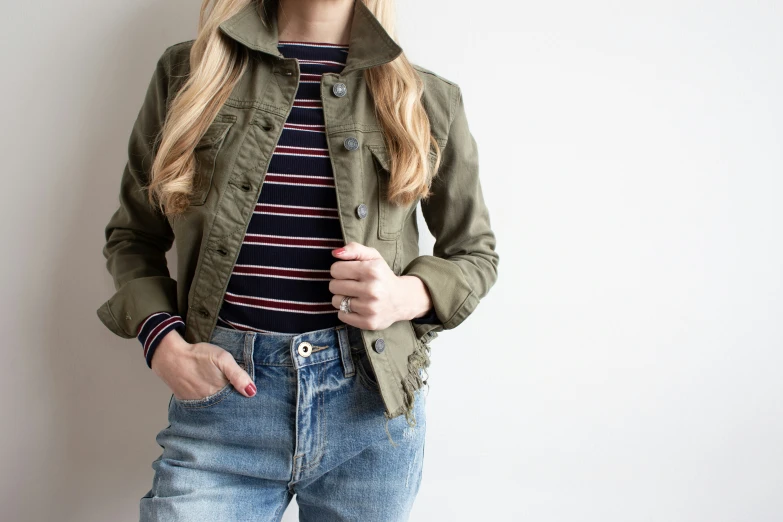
x: 297, y: 350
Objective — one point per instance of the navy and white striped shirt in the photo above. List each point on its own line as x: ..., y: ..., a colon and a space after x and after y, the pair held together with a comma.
x: 280, y: 282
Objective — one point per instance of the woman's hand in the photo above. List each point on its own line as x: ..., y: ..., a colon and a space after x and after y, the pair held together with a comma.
x: 195, y: 371
x: 379, y: 296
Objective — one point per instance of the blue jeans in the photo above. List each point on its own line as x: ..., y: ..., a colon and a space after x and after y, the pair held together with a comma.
x: 315, y: 428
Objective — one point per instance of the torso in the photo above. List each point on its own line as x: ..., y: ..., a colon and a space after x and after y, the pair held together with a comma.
x: 280, y: 282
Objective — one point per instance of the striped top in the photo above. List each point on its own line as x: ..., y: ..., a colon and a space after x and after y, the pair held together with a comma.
x: 280, y: 282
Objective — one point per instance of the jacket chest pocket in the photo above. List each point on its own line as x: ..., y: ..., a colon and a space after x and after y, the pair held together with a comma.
x: 391, y: 217
x: 206, y: 154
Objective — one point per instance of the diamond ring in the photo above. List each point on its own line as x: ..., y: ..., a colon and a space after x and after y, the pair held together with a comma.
x: 345, y: 305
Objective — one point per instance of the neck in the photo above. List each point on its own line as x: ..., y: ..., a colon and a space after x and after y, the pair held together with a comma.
x: 322, y: 21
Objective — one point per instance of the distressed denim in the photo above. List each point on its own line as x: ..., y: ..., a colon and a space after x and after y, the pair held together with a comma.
x: 315, y: 428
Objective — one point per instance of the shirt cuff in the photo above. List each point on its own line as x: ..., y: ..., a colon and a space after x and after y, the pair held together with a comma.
x: 154, y: 329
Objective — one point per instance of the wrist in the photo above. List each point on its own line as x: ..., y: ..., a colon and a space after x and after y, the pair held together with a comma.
x: 171, y: 346
x: 416, y: 301
x: 154, y: 329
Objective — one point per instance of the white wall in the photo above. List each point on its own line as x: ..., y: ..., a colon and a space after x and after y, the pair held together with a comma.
x: 626, y: 366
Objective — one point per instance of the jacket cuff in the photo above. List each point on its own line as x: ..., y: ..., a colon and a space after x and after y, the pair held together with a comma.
x: 154, y: 329
x: 429, y: 317
x: 136, y: 300
x: 452, y: 297
x: 426, y: 332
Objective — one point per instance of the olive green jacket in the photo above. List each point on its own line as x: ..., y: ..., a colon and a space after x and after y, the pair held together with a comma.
x: 232, y: 159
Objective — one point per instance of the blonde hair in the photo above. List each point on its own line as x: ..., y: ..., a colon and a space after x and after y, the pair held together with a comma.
x: 217, y: 64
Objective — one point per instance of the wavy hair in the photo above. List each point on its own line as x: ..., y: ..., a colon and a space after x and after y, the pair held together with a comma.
x: 216, y: 65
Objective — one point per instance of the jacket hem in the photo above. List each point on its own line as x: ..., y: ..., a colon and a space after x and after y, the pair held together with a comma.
x: 416, y: 378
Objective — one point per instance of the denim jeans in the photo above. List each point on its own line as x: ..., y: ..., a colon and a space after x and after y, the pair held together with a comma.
x: 315, y: 428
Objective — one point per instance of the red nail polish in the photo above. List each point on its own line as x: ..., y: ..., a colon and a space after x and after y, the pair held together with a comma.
x: 250, y: 389
x: 339, y: 251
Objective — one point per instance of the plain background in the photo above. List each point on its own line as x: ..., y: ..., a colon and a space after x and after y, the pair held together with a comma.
x: 626, y: 367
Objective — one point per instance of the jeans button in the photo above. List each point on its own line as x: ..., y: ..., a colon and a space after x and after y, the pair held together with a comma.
x: 305, y: 349
x: 380, y: 345
x: 351, y: 143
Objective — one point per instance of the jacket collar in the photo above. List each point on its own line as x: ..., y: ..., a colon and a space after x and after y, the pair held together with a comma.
x: 369, y: 43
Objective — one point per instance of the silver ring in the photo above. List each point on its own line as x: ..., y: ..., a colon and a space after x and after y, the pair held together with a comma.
x: 345, y: 305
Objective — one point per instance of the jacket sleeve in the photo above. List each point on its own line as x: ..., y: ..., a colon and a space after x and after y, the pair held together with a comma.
x: 464, y: 264
x: 138, y: 235
x: 429, y: 317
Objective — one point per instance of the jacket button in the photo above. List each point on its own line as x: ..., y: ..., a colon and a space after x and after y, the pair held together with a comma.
x: 351, y: 143
x: 361, y: 211
x: 339, y: 89
x: 380, y: 345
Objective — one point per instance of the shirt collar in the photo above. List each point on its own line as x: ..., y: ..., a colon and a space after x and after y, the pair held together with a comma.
x: 369, y: 44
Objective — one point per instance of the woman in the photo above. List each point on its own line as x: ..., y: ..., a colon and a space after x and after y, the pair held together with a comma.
x: 296, y: 334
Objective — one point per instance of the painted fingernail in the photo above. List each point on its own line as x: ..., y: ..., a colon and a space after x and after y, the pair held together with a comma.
x: 250, y: 389
x: 339, y: 251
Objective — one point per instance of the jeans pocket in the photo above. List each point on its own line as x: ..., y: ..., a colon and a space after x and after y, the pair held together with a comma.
x: 218, y: 396
x: 209, y: 400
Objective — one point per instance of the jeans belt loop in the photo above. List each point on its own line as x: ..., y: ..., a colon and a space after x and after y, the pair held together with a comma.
x: 345, y: 351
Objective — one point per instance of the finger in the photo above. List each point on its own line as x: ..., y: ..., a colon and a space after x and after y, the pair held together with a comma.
x: 362, y: 271
x: 356, y: 251
x: 357, y: 305
x: 235, y: 373
x: 353, y: 319
x: 347, y: 287
x: 347, y: 270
